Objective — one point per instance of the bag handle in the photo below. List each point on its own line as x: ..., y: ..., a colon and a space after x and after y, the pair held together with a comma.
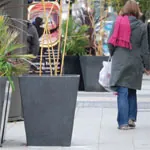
x: 109, y: 59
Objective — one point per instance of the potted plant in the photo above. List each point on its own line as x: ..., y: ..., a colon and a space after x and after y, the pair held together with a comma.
x: 11, y: 64
x: 91, y: 63
x: 49, y: 101
x: 16, y: 10
x: 77, y: 42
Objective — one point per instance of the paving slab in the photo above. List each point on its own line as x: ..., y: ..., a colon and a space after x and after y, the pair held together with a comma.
x: 87, y: 126
x: 82, y: 148
x: 116, y: 147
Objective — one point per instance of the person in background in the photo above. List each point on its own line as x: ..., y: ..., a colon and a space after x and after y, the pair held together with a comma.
x: 30, y: 1
x: 128, y: 45
x: 32, y: 39
x: 38, y: 22
x: 33, y: 44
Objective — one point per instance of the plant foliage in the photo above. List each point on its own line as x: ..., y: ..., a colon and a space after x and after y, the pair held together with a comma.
x: 144, y: 5
x: 118, y: 4
x: 77, y: 40
x: 11, y: 64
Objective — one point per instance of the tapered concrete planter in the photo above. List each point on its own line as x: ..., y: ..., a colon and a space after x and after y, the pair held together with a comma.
x: 91, y: 66
x: 49, y: 106
x: 72, y: 66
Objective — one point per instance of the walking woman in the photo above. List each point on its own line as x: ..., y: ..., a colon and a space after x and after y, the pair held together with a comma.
x: 128, y: 45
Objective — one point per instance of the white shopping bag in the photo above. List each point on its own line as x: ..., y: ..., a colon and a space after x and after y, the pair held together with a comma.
x: 104, y: 75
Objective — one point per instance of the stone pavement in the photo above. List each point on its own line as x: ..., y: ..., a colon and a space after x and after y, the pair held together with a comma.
x: 95, y: 127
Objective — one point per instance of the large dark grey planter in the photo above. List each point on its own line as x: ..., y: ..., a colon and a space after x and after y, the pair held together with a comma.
x: 49, y: 106
x: 91, y: 66
x: 72, y: 66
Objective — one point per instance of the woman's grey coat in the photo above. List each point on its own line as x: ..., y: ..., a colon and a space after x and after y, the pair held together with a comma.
x: 128, y: 65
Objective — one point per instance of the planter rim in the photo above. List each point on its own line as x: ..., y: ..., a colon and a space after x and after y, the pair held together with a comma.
x: 3, y: 77
x: 92, y: 56
x: 47, y: 76
x: 72, y: 55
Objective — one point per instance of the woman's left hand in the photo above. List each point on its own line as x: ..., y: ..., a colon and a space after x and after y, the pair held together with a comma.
x: 147, y: 72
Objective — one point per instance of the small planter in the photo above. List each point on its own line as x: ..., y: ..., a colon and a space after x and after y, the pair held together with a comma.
x: 91, y: 66
x: 49, y: 106
x: 72, y: 66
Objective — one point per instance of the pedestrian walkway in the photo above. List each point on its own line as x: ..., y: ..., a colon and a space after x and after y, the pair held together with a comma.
x: 95, y: 127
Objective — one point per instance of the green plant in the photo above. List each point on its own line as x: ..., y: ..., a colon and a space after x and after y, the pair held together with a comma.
x: 144, y: 5
x: 77, y: 40
x: 11, y: 64
x: 118, y: 4
x: 93, y: 14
